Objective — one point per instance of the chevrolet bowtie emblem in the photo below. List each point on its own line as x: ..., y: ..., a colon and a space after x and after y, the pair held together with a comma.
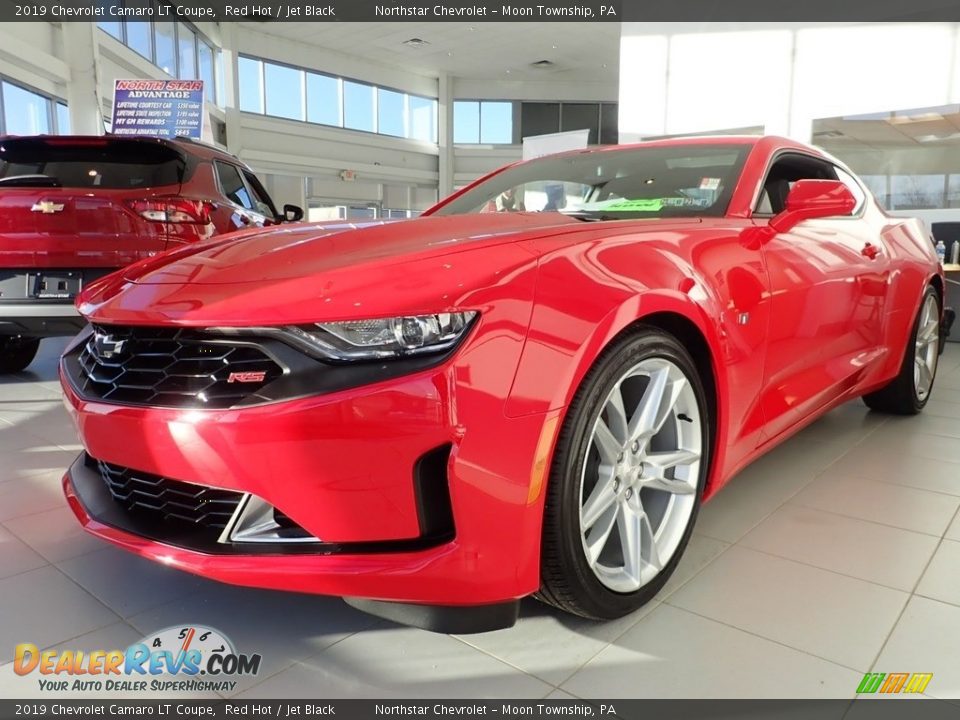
x: 106, y: 347
x: 47, y: 207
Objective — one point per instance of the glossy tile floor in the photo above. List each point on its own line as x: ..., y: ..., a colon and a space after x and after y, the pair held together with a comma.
x: 836, y: 554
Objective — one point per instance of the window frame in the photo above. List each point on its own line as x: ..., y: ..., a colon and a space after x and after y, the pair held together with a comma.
x: 211, y: 94
x: 342, y: 81
x: 797, y: 152
x: 514, y: 125
x: 217, y: 164
x: 53, y: 122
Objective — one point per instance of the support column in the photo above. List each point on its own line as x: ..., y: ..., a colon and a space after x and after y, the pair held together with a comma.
x: 83, y: 94
x: 445, y: 134
x: 231, y: 86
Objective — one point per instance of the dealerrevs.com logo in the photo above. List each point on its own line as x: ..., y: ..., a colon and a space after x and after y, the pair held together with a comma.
x: 182, y: 658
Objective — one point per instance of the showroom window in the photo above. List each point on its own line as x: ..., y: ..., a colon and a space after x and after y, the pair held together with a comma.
x: 488, y: 122
x: 295, y: 93
x: 284, y: 91
x: 24, y: 111
x: 907, y: 157
x: 324, y: 101
x: 177, y: 48
x: 481, y: 121
x: 359, y: 101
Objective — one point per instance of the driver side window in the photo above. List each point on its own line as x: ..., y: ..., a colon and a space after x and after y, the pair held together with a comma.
x: 784, y: 172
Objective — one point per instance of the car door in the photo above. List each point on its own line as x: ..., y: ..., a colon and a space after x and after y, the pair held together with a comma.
x: 242, y: 202
x: 828, y: 280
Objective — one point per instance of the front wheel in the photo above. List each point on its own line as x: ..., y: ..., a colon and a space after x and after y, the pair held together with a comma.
x: 16, y: 353
x: 627, y: 478
x: 908, y: 392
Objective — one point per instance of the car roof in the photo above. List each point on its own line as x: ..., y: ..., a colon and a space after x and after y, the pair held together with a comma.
x: 769, y: 141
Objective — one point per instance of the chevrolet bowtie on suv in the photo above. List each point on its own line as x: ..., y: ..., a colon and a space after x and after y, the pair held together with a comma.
x: 73, y: 209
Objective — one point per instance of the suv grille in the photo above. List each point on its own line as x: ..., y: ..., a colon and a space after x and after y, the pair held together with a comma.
x: 169, y: 500
x: 170, y: 367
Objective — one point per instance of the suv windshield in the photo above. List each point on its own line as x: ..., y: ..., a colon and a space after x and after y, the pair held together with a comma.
x: 89, y: 163
x: 655, y: 181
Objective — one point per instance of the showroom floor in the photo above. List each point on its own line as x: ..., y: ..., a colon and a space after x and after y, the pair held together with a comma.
x: 836, y: 554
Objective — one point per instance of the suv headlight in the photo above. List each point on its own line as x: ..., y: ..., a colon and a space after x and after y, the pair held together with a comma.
x: 385, y: 337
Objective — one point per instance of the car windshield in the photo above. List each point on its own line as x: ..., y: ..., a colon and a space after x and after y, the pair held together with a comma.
x: 646, y: 182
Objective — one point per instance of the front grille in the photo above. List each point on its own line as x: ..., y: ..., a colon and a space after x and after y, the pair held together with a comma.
x: 199, y: 506
x: 170, y: 367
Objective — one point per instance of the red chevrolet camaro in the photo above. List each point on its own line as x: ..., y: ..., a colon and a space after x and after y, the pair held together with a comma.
x: 530, y: 389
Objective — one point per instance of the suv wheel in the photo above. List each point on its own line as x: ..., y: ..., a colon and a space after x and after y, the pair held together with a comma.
x: 16, y: 353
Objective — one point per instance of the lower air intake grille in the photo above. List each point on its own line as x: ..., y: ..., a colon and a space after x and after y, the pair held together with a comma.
x: 168, y: 500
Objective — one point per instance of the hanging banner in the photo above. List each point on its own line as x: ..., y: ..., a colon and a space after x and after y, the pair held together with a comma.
x: 158, y: 108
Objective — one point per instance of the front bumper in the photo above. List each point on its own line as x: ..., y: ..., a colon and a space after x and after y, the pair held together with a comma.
x: 342, y: 466
x: 39, y: 319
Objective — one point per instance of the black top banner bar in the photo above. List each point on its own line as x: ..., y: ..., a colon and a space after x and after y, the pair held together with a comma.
x: 475, y: 11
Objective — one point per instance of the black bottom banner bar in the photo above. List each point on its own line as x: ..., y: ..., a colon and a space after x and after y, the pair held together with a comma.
x: 917, y: 708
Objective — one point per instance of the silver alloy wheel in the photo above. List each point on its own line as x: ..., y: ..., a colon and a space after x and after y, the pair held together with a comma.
x: 640, y: 475
x: 927, y: 351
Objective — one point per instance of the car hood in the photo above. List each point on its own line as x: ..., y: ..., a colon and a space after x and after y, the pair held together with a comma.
x: 297, y: 251
x: 299, y: 274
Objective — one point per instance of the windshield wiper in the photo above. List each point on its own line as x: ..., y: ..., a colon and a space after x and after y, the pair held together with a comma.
x: 30, y: 181
x: 590, y: 216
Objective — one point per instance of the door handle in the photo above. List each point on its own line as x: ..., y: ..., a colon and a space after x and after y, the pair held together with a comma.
x: 871, y: 251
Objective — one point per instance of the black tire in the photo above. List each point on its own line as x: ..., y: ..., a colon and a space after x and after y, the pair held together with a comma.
x: 567, y: 580
x: 901, y: 396
x: 17, y: 353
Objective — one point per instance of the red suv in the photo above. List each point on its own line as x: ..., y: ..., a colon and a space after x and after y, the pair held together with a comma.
x: 75, y: 208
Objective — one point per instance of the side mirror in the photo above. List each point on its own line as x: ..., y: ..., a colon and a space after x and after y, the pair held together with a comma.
x: 292, y: 213
x: 810, y: 199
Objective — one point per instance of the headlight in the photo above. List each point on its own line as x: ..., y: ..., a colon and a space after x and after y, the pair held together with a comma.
x: 385, y: 338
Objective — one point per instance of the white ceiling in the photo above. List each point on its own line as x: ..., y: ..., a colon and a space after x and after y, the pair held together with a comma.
x: 581, y: 52
x: 929, y: 128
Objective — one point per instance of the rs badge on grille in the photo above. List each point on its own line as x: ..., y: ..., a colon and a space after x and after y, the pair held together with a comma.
x: 247, y: 377
x: 106, y: 347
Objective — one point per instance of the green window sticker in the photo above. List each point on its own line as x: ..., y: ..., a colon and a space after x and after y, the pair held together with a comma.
x: 641, y: 205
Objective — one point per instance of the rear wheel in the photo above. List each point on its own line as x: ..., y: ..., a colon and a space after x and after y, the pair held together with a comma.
x: 16, y: 353
x: 626, y: 480
x: 908, y: 392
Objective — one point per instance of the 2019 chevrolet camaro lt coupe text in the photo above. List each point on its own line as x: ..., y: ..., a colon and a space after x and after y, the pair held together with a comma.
x: 530, y: 389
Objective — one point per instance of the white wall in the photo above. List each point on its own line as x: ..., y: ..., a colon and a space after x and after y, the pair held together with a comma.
x: 691, y: 77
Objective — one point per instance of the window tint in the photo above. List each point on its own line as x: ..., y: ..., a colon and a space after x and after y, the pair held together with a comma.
x: 786, y: 170
x: 854, y: 187
x: 113, y: 164
x: 260, y: 198
x: 659, y: 181
x: 232, y: 185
